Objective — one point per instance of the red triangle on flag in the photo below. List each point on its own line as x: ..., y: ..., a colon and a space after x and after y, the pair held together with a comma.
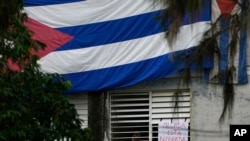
x: 226, y: 6
x: 52, y: 38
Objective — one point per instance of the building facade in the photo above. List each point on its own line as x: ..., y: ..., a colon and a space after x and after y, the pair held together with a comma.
x: 117, y: 114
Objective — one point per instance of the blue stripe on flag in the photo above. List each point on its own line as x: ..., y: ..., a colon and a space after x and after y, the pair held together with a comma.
x: 129, y: 74
x: 223, y: 43
x: 47, y: 2
x: 116, y: 30
x: 112, y: 31
x: 242, y: 66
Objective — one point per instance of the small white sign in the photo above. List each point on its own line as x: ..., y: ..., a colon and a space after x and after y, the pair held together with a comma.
x: 172, y: 131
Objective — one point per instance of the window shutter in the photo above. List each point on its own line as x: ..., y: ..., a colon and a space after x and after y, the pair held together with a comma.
x: 129, y: 113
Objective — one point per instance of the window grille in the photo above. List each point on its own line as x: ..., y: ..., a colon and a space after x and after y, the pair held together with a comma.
x: 140, y: 112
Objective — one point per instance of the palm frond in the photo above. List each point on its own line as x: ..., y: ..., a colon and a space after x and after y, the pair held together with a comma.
x: 177, y: 9
x: 228, y: 93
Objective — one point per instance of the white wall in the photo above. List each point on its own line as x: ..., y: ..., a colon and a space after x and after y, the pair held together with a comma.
x: 207, y: 104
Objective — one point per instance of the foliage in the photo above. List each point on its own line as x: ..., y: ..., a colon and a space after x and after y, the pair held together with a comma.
x: 87, y: 134
x: 177, y: 10
x: 32, y: 107
x: 208, y: 47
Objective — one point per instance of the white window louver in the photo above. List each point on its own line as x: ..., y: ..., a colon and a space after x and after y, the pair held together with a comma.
x: 81, y: 104
x: 141, y: 112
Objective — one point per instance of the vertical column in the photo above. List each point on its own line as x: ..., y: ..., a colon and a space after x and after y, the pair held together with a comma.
x: 96, y: 114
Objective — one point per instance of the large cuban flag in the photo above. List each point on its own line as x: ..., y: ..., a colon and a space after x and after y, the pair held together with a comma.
x: 108, y: 44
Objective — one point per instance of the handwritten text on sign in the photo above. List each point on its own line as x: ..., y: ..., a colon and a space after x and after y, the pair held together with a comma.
x: 173, y: 131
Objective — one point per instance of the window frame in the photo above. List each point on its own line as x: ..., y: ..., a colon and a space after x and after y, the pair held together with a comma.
x: 151, y: 94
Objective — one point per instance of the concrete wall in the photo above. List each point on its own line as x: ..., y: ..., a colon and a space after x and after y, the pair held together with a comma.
x: 97, y: 115
x: 207, y: 104
x: 206, y: 107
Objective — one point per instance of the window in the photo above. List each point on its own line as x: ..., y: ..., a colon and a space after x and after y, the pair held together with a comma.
x: 140, y: 112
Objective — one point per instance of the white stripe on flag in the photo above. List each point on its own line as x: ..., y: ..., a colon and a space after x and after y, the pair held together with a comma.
x: 88, y: 11
x: 110, y: 55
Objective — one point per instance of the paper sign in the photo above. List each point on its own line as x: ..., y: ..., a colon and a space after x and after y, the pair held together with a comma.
x: 173, y: 131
